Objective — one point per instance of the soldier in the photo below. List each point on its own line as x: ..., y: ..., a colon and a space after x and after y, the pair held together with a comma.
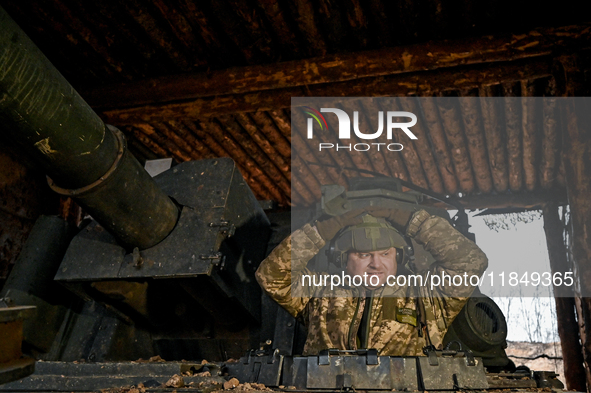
x: 396, y: 319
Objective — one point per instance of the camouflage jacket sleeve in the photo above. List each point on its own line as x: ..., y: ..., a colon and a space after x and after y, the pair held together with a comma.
x: 288, y: 262
x: 455, y: 255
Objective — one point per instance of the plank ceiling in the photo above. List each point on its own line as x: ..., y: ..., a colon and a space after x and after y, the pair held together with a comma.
x: 193, y: 79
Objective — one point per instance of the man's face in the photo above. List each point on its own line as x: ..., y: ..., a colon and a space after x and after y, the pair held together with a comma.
x: 375, y: 263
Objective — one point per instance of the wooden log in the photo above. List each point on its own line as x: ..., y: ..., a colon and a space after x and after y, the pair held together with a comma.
x: 529, y: 126
x: 514, y: 135
x: 133, y: 49
x: 568, y: 329
x: 379, y: 17
x: 324, y: 174
x: 89, y: 66
x: 346, y: 168
x: 177, y: 141
x: 183, y: 31
x: 138, y: 149
x: 187, y: 136
x: 147, y: 142
x: 561, y: 176
x: 330, y: 17
x: 361, y: 159
x: 396, y: 165
x: 550, y: 138
x: 296, y: 199
x: 577, y: 163
x: 281, y: 29
x: 495, y: 141
x: 244, y: 21
x: 171, y: 148
x: 219, y: 52
x: 357, y: 23
x: 301, y: 173
x: 411, y: 159
x: 471, y: 116
x: 239, y: 155
x: 421, y: 83
x: 259, y: 138
x: 199, y: 130
x: 435, y: 129
x: 159, y: 36
x: 300, y: 193
x: 378, y: 159
x: 335, y: 68
x: 230, y: 125
x: 89, y: 36
x: 336, y: 161
x: 410, y: 104
x: 580, y: 306
x: 450, y: 117
x: 393, y: 160
x: 576, y: 142
x: 268, y: 128
x: 282, y: 122
x: 303, y: 13
x: 410, y: 21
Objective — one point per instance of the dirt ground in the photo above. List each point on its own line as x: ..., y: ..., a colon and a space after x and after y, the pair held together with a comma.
x: 537, y: 356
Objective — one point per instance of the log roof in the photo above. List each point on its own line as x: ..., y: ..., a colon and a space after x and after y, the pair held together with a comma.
x: 193, y: 79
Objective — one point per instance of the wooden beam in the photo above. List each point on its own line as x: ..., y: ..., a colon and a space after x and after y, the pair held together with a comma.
x: 410, y: 155
x: 423, y: 147
x: 340, y: 67
x: 361, y: 160
x: 308, y: 154
x: 470, y: 109
x: 198, y: 129
x: 187, y: 137
x: 451, y: 118
x: 550, y: 138
x: 493, y: 134
x: 576, y: 142
x: 525, y: 200
x: 303, y: 177
x: 306, y: 22
x: 528, y: 122
x: 513, y: 133
x: 568, y: 329
x: 419, y: 83
x: 370, y: 110
x: 442, y: 155
x: 269, y: 148
x: 232, y: 127
x: 270, y: 131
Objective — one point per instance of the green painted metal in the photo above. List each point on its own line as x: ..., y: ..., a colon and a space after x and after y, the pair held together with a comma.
x: 84, y: 158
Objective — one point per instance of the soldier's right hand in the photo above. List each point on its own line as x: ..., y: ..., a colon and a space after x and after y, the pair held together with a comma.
x: 327, y: 229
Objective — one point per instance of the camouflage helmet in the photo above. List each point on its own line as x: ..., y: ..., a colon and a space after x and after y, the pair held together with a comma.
x: 373, y: 234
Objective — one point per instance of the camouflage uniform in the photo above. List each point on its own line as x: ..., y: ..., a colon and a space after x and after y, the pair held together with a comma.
x: 333, y: 317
